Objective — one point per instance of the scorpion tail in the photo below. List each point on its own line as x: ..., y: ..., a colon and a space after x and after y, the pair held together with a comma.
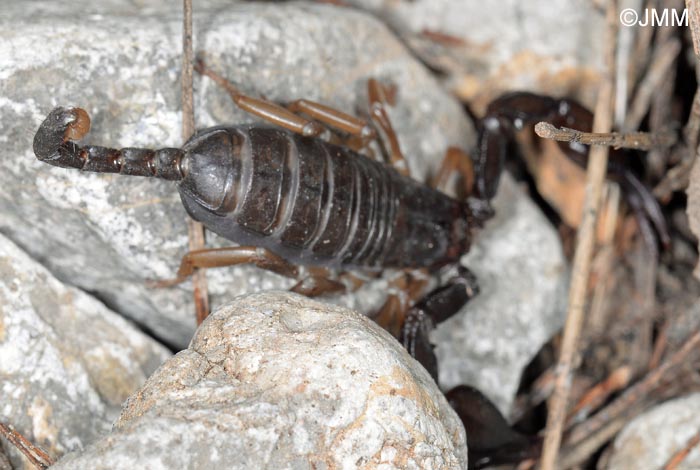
x: 54, y: 144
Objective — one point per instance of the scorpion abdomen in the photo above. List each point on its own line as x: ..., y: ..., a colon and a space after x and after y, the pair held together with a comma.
x: 316, y: 203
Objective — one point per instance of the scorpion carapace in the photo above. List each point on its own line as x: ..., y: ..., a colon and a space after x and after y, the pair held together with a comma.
x: 308, y: 201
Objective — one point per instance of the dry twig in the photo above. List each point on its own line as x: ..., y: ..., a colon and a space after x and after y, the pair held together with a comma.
x: 597, y: 395
x: 632, y: 140
x: 540, y: 391
x: 677, y: 177
x: 603, y: 261
x: 693, y: 8
x: 36, y: 455
x: 659, y: 384
x: 677, y: 458
x: 595, y: 176
x: 663, y: 59
x: 195, y: 230
x: 660, y: 108
x: 642, y: 41
x: 659, y: 346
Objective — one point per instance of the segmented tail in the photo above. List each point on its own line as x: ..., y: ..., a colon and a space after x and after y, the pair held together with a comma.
x: 54, y: 144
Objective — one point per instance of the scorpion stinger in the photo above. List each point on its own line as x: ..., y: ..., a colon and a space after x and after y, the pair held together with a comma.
x: 54, y: 144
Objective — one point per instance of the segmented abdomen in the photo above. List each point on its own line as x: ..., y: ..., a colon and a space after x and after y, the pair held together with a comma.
x: 319, y: 204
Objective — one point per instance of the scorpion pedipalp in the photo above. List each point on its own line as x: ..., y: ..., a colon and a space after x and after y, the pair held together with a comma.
x: 514, y: 111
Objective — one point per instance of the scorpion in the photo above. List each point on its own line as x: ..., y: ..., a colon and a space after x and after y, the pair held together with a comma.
x: 302, y: 201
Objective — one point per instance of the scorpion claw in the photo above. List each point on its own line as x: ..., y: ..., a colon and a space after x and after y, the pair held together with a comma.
x: 492, y: 441
x: 51, y: 142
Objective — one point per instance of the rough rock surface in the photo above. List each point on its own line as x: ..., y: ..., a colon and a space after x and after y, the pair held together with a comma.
x: 276, y: 380
x: 522, y: 274
x: 108, y: 233
x: 652, y: 438
x: 552, y: 47
x: 66, y: 362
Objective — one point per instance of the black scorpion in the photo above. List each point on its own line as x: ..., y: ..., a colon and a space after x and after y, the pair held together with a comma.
x: 291, y: 197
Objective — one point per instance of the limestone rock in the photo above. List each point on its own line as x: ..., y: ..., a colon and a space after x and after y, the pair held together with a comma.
x: 276, y: 380
x: 66, y: 361
x: 553, y: 47
x: 652, y: 438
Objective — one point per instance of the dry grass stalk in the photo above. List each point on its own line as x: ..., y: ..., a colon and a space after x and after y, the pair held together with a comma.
x: 195, y: 230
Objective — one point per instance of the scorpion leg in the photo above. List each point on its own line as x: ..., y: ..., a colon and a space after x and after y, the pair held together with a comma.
x: 267, y: 110
x: 378, y: 100
x: 289, y: 120
x: 404, y: 291
x: 455, y: 161
x: 359, y: 129
x: 318, y: 281
x: 436, y: 307
x: 218, y: 257
x: 459, y: 162
x: 311, y: 285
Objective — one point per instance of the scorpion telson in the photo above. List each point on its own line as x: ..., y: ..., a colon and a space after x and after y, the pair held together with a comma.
x: 301, y: 195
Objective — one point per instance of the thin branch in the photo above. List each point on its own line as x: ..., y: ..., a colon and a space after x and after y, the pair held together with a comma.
x: 693, y: 8
x: 642, y: 47
x: 603, y: 261
x: 36, y: 455
x: 195, y: 230
x: 661, y: 63
x: 632, y: 140
x: 622, y: 61
x: 587, y: 437
x: 659, y: 346
x: 596, y: 396
x: 677, y: 177
x: 187, y: 73
x: 660, y: 112
x: 677, y: 458
x: 540, y: 391
x: 595, y: 177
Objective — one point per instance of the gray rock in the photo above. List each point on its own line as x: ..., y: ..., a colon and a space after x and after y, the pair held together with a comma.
x: 106, y: 233
x: 522, y: 274
x: 66, y: 361
x: 4, y: 461
x: 651, y: 439
x: 276, y: 380
x: 551, y: 46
